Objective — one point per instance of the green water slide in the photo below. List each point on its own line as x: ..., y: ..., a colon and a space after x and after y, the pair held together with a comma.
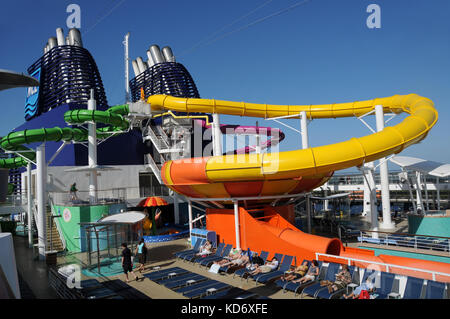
x: 16, y: 141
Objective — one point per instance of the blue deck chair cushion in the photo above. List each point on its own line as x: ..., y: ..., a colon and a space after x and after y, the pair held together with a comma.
x: 435, y: 290
x: 160, y: 273
x: 413, y: 288
x: 386, y: 282
x: 241, y: 272
x: 209, y: 260
x: 285, y: 266
x: 330, y: 276
x: 278, y: 256
x: 218, y: 286
x: 324, y: 294
x: 218, y: 251
x: 181, y: 283
x: 194, y: 249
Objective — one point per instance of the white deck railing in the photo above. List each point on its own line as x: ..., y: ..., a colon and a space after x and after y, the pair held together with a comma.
x: 384, y: 239
x: 379, y: 265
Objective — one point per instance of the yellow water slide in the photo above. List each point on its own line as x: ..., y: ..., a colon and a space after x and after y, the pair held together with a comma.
x: 197, y: 177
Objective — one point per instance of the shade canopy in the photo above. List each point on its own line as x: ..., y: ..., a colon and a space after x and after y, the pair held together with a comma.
x: 423, y: 166
x: 10, y: 80
x: 130, y: 218
x: 93, y: 168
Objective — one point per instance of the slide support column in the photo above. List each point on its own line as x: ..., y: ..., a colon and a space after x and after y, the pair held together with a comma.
x: 236, y: 224
x: 92, y: 151
x: 438, y: 194
x: 384, y: 176
x: 41, y: 196
x: 29, y: 207
x: 419, y: 193
x: 190, y: 219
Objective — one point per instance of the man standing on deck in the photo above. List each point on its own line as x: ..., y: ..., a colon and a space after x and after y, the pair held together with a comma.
x: 127, y: 265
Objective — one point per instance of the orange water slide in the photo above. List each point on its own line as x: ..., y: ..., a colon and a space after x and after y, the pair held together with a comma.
x: 271, y: 229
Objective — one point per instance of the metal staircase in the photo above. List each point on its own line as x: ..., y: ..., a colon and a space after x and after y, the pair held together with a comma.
x: 159, y: 140
x: 54, y: 239
x: 167, y: 148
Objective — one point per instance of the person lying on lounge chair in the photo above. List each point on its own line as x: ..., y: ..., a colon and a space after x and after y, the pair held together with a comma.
x: 267, y: 267
x: 256, y: 261
x: 241, y: 260
x: 367, y: 286
x: 343, y: 278
x: 311, y: 275
x: 205, y: 249
x: 234, y: 254
x: 298, y: 272
x: 236, y: 259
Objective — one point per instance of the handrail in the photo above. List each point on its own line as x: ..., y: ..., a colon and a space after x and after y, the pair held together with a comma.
x: 58, y: 228
x: 350, y: 259
x: 402, y: 234
x: 426, y: 244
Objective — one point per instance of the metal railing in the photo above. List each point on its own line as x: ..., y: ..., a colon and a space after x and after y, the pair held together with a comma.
x: 379, y: 266
x: 54, y: 215
x: 154, y: 190
x: 15, y: 200
x: 425, y: 242
x: 81, y: 198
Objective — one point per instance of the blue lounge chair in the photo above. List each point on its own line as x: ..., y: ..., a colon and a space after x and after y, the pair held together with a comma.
x: 231, y: 293
x: 330, y: 275
x: 218, y: 252
x: 161, y: 273
x: 184, y: 277
x: 100, y: 293
x: 243, y: 271
x: 298, y: 287
x: 441, y: 245
x: 435, y: 290
x: 189, y: 255
x: 204, y: 285
x: 226, y: 268
x: 207, y: 261
x: 197, y: 245
x: 324, y: 294
x: 90, y: 284
x: 387, y: 281
x: 175, y: 284
x: 367, y: 273
x: 192, y: 286
x: 285, y: 266
x: 281, y: 283
x: 413, y: 288
x: 214, y: 287
x: 168, y: 275
x: 278, y: 256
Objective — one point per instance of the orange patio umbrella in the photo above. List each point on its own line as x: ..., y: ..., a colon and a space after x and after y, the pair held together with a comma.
x: 153, y: 201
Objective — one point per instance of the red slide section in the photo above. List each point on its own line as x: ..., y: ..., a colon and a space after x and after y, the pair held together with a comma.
x: 271, y: 229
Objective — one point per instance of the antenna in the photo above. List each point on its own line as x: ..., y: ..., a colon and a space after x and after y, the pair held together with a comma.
x: 127, y: 73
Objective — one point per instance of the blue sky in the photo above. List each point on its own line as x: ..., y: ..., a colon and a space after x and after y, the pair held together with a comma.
x: 318, y: 52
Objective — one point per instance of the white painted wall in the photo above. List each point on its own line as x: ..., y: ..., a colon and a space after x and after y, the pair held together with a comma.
x: 8, y: 262
x: 58, y: 180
